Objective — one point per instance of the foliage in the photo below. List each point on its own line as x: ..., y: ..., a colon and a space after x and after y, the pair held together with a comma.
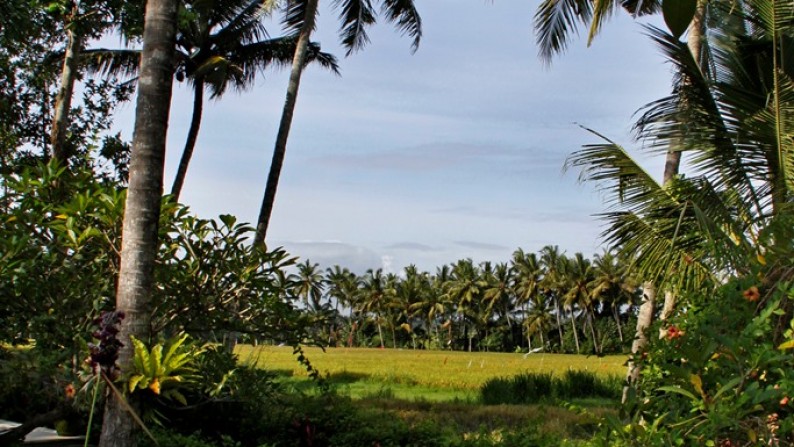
x: 716, y: 377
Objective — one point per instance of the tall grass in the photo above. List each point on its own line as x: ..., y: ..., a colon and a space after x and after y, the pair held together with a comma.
x: 529, y: 387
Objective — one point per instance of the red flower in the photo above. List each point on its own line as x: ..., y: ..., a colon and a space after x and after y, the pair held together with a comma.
x: 784, y: 401
x: 673, y: 333
x: 70, y: 391
x: 752, y: 294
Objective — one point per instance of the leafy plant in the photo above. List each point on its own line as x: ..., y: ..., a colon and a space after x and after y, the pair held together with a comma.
x: 165, y: 368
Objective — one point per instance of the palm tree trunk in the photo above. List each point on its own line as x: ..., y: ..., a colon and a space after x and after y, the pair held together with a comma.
x: 559, y: 323
x: 298, y: 62
x: 142, y: 211
x: 192, y: 136
x: 591, y: 317
x: 644, y: 320
x: 575, y: 335
x: 380, y: 332
x: 63, y: 99
x: 617, y: 321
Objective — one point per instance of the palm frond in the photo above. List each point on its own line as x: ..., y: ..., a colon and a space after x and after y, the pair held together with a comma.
x: 555, y: 20
x: 602, y: 11
x: 624, y: 181
x: 104, y: 62
x: 404, y: 15
x: 356, y: 16
x: 294, y: 15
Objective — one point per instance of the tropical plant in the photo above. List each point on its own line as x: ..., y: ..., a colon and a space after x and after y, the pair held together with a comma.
x: 165, y: 369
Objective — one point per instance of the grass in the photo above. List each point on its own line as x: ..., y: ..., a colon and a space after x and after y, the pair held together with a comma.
x: 435, y: 376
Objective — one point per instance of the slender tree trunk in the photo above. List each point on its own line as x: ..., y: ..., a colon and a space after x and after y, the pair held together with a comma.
x: 593, y: 333
x: 644, y: 320
x: 380, y: 333
x: 575, y: 335
x: 559, y: 323
x: 63, y: 99
x: 616, y: 314
x: 192, y: 136
x: 298, y: 62
x: 142, y: 211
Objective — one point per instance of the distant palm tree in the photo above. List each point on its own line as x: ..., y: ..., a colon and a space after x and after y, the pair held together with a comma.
x: 613, y: 285
x: 343, y: 285
x: 465, y: 288
x: 551, y: 259
x: 578, y: 277
x: 373, y: 298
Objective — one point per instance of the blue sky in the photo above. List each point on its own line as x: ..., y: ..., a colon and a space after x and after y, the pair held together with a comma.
x: 455, y: 151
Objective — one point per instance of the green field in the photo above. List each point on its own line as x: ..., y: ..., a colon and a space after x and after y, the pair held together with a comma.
x: 429, y: 375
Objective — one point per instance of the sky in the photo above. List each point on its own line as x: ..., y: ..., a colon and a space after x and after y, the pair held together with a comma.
x: 454, y: 151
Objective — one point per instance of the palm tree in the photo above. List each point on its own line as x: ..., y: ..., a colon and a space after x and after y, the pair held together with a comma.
x: 142, y: 210
x: 526, y: 279
x: 539, y: 318
x: 373, y: 299
x: 578, y: 275
x: 221, y: 44
x: 613, y: 285
x: 224, y: 45
x: 343, y: 285
x: 309, y: 285
x: 687, y: 234
x: 551, y: 259
x: 465, y: 288
x: 498, y: 294
x: 300, y: 15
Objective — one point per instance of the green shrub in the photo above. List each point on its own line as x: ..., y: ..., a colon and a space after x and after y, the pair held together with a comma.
x: 528, y: 388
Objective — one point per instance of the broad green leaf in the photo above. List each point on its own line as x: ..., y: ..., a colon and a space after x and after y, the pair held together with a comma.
x: 678, y: 390
x: 678, y: 14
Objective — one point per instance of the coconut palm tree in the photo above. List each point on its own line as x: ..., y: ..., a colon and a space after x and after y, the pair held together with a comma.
x: 465, y: 288
x: 221, y: 45
x: 343, y: 286
x: 551, y: 260
x: 539, y: 319
x: 142, y: 209
x: 688, y: 234
x: 578, y: 275
x: 612, y: 285
x: 373, y: 298
x: 300, y: 17
x: 526, y: 278
x: 498, y: 295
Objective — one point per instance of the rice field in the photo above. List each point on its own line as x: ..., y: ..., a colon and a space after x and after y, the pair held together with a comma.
x: 451, y: 370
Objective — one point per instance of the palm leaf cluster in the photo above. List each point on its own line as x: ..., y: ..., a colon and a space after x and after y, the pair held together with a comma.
x: 734, y: 126
x: 561, y: 302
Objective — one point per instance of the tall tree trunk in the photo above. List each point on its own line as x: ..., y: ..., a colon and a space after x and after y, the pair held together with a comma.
x: 591, y: 317
x: 63, y: 99
x: 644, y: 320
x: 575, y: 335
x: 298, y: 62
x: 616, y: 314
x: 559, y: 323
x: 192, y: 136
x: 380, y: 332
x: 142, y: 211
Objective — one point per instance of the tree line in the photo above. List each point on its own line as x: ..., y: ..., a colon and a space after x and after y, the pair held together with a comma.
x: 535, y: 302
